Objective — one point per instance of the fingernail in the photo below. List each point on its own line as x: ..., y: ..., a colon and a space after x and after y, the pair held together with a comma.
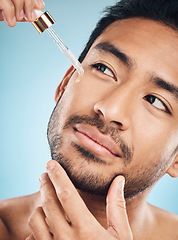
x: 25, y: 18
x: 13, y: 21
x: 42, y: 177
x: 121, y: 182
x: 21, y: 14
x: 51, y: 165
x: 40, y: 2
x: 34, y: 15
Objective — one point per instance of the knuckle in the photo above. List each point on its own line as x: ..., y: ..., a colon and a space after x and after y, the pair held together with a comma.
x: 44, y: 180
x: 42, y: 177
x: 113, y: 230
x: 43, y: 183
x: 64, y: 194
x: 7, y: 6
x: 31, y: 221
x: 18, y: 5
x: 121, y: 204
x: 47, y: 201
x: 124, y: 235
x: 5, y: 3
x: 33, y: 218
x: 11, y: 6
x: 29, y: 5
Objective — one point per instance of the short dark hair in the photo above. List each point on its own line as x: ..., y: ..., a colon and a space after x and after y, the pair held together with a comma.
x: 163, y: 11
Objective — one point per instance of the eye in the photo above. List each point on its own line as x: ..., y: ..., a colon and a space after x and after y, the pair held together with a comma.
x: 104, y: 69
x: 157, y: 103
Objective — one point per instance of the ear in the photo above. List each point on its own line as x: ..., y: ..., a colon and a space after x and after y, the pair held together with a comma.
x: 61, y: 88
x: 173, y: 169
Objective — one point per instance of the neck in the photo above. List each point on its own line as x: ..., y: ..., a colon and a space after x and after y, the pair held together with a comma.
x: 96, y: 205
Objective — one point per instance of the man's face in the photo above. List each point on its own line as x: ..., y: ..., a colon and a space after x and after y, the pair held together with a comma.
x: 121, y: 115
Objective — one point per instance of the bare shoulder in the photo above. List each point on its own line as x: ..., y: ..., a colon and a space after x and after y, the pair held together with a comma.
x: 166, y: 222
x: 14, y: 214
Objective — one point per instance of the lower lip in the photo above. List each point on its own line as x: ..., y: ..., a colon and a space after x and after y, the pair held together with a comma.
x: 93, y: 146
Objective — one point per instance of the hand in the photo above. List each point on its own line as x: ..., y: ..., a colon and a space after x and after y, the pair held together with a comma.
x: 19, y: 10
x: 64, y: 215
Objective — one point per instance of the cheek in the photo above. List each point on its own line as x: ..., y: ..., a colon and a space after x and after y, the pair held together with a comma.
x: 82, y: 93
x: 150, y: 137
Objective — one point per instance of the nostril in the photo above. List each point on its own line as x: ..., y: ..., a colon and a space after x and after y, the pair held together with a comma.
x: 118, y: 124
x: 97, y: 110
x: 100, y: 112
x: 116, y: 113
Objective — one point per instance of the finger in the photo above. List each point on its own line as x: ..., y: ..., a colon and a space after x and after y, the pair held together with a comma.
x: 53, y: 210
x: 68, y: 196
x: 29, y: 7
x: 30, y: 237
x: 19, y: 12
x: 1, y: 17
x: 118, y: 224
x: 38, y: 226
x: 8, y: 12
x: 39, y: 4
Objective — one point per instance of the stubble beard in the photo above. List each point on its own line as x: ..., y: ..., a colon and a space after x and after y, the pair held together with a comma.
x: 136, y: 181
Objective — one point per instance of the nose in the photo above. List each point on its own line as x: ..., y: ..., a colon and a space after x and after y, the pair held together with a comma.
x: 116, y: 107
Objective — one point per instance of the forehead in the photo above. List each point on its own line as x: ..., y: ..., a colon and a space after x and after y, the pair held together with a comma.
x: 140, y: 30
x: 151, y: 44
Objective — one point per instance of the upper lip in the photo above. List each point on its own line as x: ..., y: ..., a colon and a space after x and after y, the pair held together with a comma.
x: 103, y: 140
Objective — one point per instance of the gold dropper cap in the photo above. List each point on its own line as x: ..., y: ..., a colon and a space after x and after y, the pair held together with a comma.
x: 43, y: 22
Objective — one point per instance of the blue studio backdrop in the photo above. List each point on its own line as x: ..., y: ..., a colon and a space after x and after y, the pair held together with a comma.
x: 31, y: 67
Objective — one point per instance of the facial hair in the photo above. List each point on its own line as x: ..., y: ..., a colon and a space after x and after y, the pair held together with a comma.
x: 87, y: 181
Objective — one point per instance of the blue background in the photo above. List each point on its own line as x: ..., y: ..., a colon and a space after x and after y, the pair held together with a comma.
x: 31, y: 67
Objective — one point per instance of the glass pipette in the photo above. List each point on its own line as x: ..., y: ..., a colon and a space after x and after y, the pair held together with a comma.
x: 44, y: 22
x: 65, y: 50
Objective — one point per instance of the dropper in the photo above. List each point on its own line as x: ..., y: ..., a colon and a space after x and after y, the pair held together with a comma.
x: 44, y: 22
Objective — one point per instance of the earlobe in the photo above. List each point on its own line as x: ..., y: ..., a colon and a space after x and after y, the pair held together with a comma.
x: 61, y: 88
x: 173, y: 169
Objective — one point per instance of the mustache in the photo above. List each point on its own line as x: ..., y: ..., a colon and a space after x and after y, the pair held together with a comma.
x: 102, y: 128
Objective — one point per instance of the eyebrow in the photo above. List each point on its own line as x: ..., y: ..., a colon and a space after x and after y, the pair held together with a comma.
x: 126, y: 60
x: 109, y: 48
x: 163, y: 84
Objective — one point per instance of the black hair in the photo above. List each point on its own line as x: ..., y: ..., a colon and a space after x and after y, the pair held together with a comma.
x: 163, y: 11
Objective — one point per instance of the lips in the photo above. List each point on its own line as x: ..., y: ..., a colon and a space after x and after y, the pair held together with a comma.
x: 96, y: 142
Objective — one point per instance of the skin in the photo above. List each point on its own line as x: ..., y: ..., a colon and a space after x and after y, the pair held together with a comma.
x: 19, y: 10
x: 141, y: 124
x: 121, y: 104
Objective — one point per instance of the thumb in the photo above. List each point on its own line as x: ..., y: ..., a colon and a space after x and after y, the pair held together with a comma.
x: 118, y: 224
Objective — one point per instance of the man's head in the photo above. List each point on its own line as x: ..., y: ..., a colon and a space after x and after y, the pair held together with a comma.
x: 121, y: 115
x: 163, y: 11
